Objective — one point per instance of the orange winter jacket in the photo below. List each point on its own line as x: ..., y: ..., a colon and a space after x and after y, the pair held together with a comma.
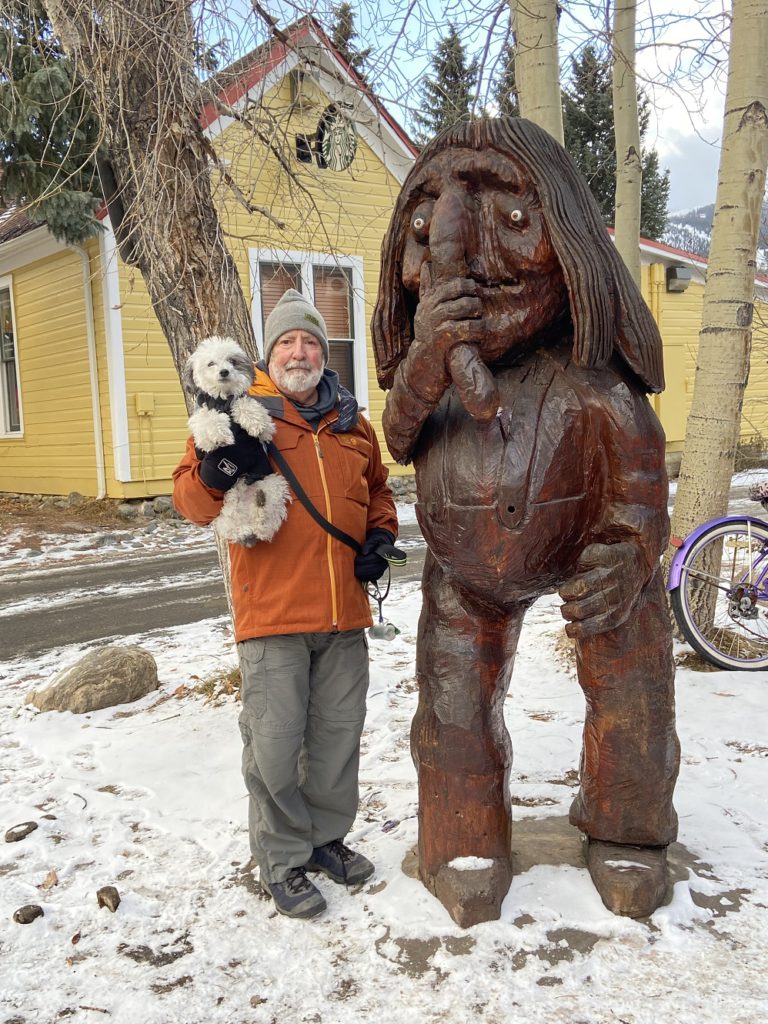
x: 302, y: 581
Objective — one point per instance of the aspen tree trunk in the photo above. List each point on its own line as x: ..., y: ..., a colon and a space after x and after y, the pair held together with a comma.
x: 537, y: 64
x: 722, y: 367
x: 136, y: 61
x: 629, y: 169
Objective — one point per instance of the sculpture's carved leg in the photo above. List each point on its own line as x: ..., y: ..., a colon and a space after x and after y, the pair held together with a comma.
x: 630, y: 756
x: 461, y: 748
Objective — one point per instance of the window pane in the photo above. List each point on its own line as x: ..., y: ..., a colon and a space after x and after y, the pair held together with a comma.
x: 333, y: 297
x: 12, y: 397
x: 340, y: 360
x: 10, y: 388
x: 275, y: 279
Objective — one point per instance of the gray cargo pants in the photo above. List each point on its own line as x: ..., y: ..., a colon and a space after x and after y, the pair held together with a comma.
x: 303, y: 709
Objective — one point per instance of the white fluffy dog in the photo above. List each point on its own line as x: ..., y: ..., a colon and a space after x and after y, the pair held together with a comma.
x: 219, y: 374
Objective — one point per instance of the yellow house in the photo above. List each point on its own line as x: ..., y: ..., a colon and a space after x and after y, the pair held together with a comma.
x: 89, y: 397
x: 673, y: 286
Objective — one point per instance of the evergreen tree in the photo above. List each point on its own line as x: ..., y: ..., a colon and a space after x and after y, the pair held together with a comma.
x: 589, y: 138
x: 342, y: 34
x: 654, y: 197
x: 505, y: 86
x: 48, y: 134
x: 588, y: 126
x: 448, y: 94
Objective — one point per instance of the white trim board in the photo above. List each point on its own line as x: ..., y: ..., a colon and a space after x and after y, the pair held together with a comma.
x: 113, y: 326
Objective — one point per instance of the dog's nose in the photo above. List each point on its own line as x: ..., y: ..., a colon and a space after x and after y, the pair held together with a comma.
x: 223, y: 373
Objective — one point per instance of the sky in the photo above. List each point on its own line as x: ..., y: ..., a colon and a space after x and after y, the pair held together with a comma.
x: 683, y: 66
x: 148, y: 797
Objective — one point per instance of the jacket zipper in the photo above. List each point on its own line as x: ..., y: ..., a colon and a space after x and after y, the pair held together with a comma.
x: 329, y: 541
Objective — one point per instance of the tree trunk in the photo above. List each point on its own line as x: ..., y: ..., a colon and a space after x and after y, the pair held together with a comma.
x: 537, y: 65
x: 629, y: 169
x: 724, y: 342
x: 137, y: 64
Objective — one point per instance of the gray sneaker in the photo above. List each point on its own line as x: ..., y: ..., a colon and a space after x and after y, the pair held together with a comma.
x: 296, y: 896
x: 340, y: 864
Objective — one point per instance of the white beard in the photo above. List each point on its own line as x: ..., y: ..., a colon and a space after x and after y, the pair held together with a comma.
x: 295, y: 379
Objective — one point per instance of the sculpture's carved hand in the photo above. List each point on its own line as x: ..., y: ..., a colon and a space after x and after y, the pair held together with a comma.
x: 448, y: 315
x: 601, y: 594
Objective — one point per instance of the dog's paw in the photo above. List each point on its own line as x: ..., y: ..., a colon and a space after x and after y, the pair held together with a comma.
x: 210, y: 429
x: 253, y: 512
x: 253, y: 418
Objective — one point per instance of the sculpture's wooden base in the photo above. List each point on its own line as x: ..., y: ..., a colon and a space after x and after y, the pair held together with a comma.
x: 471, y: 895
x: 632, y: 880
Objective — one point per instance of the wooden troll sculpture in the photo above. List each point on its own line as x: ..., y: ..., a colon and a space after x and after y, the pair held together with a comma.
x: 517, y: 351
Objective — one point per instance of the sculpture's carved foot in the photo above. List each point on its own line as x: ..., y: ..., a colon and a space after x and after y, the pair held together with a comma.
x: 632, y: 880
x: 472, y: 895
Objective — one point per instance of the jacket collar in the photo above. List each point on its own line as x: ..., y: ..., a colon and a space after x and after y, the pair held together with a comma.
x: 343, y: 417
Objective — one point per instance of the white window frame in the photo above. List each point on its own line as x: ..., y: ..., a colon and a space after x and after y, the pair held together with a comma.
x: 306, y: 261
x: 7, y: 282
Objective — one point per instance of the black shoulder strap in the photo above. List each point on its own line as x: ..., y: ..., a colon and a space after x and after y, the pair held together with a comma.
x: 301, y: 494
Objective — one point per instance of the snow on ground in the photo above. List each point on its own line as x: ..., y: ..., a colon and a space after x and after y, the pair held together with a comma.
x: 148, y: 797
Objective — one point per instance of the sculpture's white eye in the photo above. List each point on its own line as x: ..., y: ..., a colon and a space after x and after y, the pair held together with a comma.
x: 516, y: 216
x: 421, y: 219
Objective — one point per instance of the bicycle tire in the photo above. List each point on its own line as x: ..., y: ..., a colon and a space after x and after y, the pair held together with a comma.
x: 729, y: 641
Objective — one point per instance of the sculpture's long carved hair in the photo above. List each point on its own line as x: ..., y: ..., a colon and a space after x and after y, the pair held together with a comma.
x: 607, y: 310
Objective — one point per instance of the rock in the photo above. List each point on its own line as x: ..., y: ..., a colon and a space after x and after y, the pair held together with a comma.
x: 128, y: 511
x: 19, y: 832
x: 162, y: 504
x: 28, y: 913
x: 108, y: 897
x: 147, y: 509
x: 75, y: 498
x: 103, y: 678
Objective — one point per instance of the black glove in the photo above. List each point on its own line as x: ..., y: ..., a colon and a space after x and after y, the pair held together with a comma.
x: 369, y: 566
x: 222, y: 468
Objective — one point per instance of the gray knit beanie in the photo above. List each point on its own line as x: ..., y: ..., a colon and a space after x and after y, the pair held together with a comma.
x: 294, y: 313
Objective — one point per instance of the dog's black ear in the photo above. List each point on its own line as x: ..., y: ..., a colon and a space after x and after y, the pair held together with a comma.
x: 188, y: 375
x: 243, y: 363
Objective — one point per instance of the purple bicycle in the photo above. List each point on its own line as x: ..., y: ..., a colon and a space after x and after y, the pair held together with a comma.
x: 718, y: 586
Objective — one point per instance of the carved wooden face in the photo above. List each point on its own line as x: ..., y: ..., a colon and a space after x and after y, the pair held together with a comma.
x: 476, y: 214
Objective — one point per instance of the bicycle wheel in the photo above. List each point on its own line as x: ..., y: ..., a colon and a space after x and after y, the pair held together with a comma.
x: 721, y: 605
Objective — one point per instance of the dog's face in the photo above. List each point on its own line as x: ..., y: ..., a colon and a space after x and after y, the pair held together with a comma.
x: 219, y: 368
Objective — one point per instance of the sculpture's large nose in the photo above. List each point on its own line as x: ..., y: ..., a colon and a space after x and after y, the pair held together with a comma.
x: 452, y: 241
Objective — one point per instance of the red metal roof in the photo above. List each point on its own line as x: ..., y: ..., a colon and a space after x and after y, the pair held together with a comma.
x: 14, y: 223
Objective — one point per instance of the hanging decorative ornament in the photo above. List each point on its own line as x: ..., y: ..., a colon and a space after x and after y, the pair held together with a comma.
x: 337, y: 137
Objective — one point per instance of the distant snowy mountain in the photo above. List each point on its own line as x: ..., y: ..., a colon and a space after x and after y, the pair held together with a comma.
x: 691, y: 230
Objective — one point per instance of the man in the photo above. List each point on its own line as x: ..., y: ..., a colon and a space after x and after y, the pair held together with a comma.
x: 301, y: 610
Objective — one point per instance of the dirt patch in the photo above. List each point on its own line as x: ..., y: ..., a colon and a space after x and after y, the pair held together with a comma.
x: 695, y: 662
x: 157, y: 958
x: 44, y: 517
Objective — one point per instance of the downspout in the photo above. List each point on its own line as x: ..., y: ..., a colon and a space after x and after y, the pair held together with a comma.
x: 93, y: 372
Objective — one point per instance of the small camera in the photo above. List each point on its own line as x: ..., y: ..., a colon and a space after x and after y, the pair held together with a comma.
x: 383, y: 631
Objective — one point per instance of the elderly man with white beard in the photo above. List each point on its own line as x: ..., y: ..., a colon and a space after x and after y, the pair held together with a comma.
x: 300, y: 607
